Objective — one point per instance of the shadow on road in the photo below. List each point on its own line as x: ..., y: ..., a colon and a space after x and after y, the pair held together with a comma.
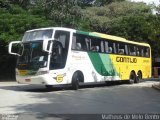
x: 89, y: 101
x: 63, y: 105
x: 42, y: 88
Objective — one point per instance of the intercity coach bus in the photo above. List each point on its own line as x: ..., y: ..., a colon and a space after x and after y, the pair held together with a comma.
x: 56, y: 56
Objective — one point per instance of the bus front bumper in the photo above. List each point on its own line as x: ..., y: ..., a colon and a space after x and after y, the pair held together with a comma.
x: 45, y: 79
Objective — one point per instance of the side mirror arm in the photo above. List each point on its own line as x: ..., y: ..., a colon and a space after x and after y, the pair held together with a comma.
x: 10, y: 48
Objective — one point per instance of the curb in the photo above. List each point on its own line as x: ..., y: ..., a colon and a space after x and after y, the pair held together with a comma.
x: 156, y: 86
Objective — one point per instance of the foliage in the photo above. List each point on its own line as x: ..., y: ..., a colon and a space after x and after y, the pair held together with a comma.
x: 105, y: 2
x: 63, y: 12
x: 14, y: 22
x: 133, y: 21
x: 102, y: 18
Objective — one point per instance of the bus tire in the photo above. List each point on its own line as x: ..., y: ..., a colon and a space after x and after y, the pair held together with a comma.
x: 132, y: 78
x: 139, y: 77
x: 75, y: 81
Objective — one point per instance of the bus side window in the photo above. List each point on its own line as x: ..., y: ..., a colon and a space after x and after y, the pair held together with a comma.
x: 146, y: 52
x: 95, y: 44
x: 102, y: 46
x: 74, y: 42
x: 121, y: 48
x: 126, y: 49
x: 138, y: 51
x: 106, y: 46
x: 111, y: 47
x: 87, y: 40
x: 121, y: 51
x: 114, y: 48
x: 132, y: 50
x: 110, y: 50
x: 142, y: 52
x: 79, y: 42
x: 78, y: 46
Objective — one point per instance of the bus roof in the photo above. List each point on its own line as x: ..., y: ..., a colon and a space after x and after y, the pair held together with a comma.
x: 112, y: 37
x: 116, y: 38
x: 96, y: 34
x: 60, y: 28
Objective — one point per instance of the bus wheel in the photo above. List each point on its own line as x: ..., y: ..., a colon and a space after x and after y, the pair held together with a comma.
x: 139, y: 77
x: 132, y: 78
x: 75, y: 81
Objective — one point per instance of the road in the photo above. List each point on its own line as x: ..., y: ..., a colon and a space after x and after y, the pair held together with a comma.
x: 96, y: 99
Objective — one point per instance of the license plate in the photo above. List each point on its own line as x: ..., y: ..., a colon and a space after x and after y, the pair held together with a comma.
x: 28, y: 80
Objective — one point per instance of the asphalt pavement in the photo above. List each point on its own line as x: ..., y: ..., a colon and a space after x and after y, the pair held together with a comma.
x: 89, y: 102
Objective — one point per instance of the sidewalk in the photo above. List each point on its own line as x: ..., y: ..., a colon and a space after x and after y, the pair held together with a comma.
x: 156, y: 86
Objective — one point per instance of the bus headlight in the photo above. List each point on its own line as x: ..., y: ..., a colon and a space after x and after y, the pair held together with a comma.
x: 42, y: 72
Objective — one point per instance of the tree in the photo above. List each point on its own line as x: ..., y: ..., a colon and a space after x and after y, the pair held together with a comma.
x: 66, y: 13
x: 103, y: 18
x: 133, y: 21
x: 14, y: 22
x: 105, y: 2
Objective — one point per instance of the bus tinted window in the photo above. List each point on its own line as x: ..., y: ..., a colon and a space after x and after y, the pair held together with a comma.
x: 59, y: 50
x: 142, y: 51
x: 111, y: 47
x: 139, y: 51
x: 80, y: 42
x: 106, y: 46
x: 63, y: 38
x: 132, y: 50
x: 95, y: 44
x: 102, y: 46
x: 121, y: 48
x: 146, y: 52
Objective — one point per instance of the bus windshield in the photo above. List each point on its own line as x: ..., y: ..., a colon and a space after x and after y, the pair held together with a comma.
x: 37, y: 35
x: 33, y: 57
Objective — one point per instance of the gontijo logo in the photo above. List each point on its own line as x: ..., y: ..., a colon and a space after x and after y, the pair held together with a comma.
x: 60, y: 77
x: 126, y: 59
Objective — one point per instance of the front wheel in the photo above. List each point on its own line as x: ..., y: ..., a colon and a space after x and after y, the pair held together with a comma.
x: 75, y: 81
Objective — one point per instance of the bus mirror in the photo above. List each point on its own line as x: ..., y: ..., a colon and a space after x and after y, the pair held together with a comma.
x: 47, y: 46
x: 16, y: 48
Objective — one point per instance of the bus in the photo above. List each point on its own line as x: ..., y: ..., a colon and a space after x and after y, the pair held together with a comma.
x: 57, y: 56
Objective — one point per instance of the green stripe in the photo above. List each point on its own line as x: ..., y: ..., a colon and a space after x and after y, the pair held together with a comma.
x: 103, y: 64
x: 82, y: 32
x: 94, y: 35
x: 87, y: 33
x: 96, y: 61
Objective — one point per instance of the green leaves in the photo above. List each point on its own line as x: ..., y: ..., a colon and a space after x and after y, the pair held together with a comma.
x: 15, y: 22
x: 63, y: 12
x: 134, y: 21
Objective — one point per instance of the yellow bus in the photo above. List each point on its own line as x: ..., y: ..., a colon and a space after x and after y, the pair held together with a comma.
x: 55, y: 55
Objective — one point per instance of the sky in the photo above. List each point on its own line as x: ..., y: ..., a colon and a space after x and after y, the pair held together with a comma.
x: 157, y: 2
